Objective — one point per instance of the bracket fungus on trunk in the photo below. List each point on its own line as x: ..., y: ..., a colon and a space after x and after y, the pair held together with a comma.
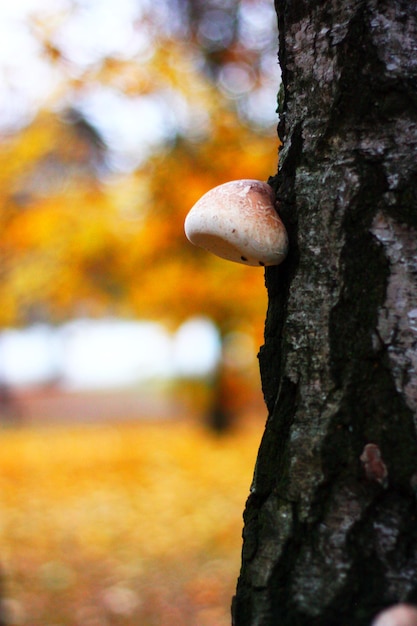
x: 237, y: 221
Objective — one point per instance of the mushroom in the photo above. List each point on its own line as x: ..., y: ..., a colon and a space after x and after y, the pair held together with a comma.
x: 237, y: 221
x: 397, y: 615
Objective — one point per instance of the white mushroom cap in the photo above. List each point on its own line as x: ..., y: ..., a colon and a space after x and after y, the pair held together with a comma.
x: 397, y: 615
x: 238, y: 222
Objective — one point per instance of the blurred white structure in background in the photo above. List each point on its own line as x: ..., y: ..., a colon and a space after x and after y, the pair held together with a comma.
x: 113, y: 353
x: 107, y: 353
x: 29, y: 356
x: 196, y: 348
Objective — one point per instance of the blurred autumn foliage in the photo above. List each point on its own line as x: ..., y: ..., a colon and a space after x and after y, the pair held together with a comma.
x: 121, y: 116
x: 91, y: 215
x: 136, y: 524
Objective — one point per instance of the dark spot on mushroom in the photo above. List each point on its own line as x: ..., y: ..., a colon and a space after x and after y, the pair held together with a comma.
x: 243, y: 258
x: 260, y: 263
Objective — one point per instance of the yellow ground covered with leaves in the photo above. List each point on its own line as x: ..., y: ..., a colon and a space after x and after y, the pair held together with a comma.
x: 133, y: 524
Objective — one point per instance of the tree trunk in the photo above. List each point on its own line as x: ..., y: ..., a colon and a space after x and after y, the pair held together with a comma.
x: 330, y: 533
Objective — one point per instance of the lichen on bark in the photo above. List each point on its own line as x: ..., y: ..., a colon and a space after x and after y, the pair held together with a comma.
x: 327, y: 539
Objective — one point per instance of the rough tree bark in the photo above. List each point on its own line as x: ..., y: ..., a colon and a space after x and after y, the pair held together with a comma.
x: 330, y: 532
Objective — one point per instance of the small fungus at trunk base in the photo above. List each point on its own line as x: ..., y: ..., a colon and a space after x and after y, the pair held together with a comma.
x: 397, y: 615
x: 237, y: 221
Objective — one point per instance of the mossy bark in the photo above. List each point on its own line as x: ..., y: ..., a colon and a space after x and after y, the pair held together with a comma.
x: 330, y: 532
